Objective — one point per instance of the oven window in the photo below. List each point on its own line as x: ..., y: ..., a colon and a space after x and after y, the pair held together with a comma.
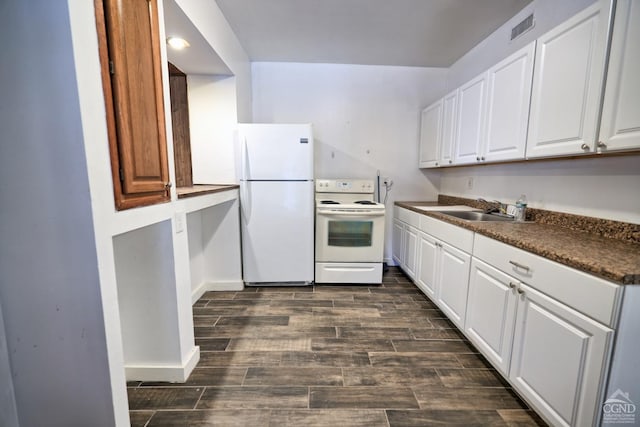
x: 350, y: 233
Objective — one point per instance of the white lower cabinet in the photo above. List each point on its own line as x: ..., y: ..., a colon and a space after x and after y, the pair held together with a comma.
x: 397, y: 244
x: 548, y: 344
x: 452, y: 282
x: 546, y: 327
x: 405, y: 241
x: 491, y: 313
x: 427, y: 264
x: 559, y: 359
x: 410, y: 242
x: 443, y: 275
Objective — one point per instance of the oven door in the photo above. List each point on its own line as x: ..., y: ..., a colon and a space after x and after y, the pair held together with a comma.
x: 349, y: 235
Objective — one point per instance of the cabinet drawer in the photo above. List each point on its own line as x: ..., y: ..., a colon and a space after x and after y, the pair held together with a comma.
x: 407, y: 216
x: 590, y: 295
x: 449, y: 233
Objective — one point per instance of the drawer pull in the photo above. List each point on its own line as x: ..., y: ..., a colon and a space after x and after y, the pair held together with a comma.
x: 518, y: 265
x: 512, y: 285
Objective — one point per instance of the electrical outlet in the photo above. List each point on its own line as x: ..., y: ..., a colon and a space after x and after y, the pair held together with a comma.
x: 470, y: 183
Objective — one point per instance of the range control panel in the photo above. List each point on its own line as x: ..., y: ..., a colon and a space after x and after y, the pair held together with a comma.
x: 359, y: 186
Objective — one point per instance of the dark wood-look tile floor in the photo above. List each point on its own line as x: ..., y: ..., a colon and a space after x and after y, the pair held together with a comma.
x: 330, y: 356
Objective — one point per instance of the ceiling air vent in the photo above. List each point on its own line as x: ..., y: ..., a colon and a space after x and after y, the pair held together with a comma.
x: 524, y: 26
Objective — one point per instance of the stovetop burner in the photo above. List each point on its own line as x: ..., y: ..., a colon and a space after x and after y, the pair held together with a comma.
x: 329, y: 202
x: 365, y: 202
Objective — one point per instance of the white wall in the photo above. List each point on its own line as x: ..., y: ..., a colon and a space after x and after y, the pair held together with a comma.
x: 209, y: 20
x: 50, y: 287
x: 600, y: 187
x: 547, y: 14
x: 365, y: 119
x: 146, y: 294
x: 213, y: 119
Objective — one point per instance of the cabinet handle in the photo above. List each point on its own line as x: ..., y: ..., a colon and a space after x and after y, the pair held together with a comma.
x: 450, y: 161
x: 512, y: 285
x: 520, y: 291
x: 167, y: 185
x: 602, y: 144
x: 482, y: 158
x: 436, y: 163
x: 477, y: 159
x: 584, y: 146
x: 518, y: 265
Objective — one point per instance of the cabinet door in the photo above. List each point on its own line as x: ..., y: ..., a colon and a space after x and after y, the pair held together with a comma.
x: 470, y: 121
x: 410, y: 250
x: 620, y: 127
x: 430, y: 134
x: 567, y: 85
x: 453, y: 283
x: 508, y: 96
x: 132, y: 81
x: 559, y: 358
x: 491, y: 313
x: 427, y: 265
x: 449, y: 120
x: 397, y: 242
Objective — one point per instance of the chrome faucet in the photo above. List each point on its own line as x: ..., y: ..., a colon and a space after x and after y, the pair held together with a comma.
x: 493, y: 206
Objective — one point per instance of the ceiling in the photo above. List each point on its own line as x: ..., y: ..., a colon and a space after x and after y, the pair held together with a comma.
x: 428, y: 33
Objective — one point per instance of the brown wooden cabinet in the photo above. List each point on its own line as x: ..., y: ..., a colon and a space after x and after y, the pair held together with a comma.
x: 180, y: 126
x: 132, y: 80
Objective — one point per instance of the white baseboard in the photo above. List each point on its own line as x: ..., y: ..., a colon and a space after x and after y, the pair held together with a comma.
x: 236, y: 285
x: 168, y: 373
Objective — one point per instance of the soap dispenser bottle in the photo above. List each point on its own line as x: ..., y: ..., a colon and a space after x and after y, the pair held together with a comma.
x: 521, y: 208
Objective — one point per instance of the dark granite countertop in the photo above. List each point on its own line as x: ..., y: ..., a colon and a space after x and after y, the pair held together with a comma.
x: 611, y: 259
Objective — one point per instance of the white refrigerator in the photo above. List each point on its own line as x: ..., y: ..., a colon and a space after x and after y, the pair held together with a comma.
x: 277, y: 203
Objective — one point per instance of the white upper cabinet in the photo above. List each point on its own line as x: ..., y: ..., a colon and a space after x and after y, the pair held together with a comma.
x: 567, y: 84
x: 449, y: 111
x: 508, y: 96
x: 470, y: 120
x: 430, y: 135
x: 620, y: 126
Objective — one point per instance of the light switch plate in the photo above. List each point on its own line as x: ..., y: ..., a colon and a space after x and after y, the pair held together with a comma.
x: 470, y: 183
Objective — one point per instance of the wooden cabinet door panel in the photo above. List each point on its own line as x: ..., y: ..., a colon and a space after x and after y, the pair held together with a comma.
x: 449, y: 117
x: 509, y: 94
x: 398, y: 242
x: 491, y: 313
x: 453, y: 283
x: 470, y: 122
x: 567, y: 83
x: 427, y: 265
x: 620, y: 127
x: 131, y: 35
x: 558, y: 361
x: 430, y: 134
x: 410, y: 250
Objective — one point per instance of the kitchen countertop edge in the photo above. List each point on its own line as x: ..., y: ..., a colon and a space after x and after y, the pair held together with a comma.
x: 619, y: 262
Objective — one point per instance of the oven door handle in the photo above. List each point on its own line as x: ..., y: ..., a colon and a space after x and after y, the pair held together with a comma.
x: 349, y: 213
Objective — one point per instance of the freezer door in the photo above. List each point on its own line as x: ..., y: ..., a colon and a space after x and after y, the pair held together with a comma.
x: 275, y: 152
x: 277, y: 231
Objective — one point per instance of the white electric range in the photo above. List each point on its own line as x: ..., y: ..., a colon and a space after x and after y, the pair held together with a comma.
x: 349, y: 232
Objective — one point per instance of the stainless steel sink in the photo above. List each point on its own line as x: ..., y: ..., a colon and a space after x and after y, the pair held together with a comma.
x: 477, y: 216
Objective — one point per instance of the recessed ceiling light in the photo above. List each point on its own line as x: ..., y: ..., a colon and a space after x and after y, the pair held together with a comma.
x: 177, y: 43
